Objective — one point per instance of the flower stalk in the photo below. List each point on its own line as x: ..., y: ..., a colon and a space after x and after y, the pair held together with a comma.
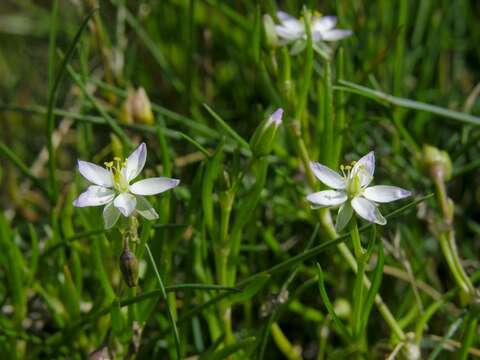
x: 355, y: 235
x: 328, y: 227
x: 438, y: 166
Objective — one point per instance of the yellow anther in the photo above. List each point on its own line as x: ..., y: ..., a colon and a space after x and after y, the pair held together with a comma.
x: 116, y: 158
x: 109, y: 164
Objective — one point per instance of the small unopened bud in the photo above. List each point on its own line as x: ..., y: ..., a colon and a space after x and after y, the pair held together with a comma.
x: 129, y: 267
x: 141, y: 108
x: 117, y: 146
x: 225, y: 182
x: 263, y: 138
x: 271, y: 39
x: 437, y: 163
x: 412, y: 349
x: 342, y: 308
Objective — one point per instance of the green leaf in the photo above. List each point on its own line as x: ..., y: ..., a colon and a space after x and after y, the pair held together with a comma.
x: 224, y: 353
x: 373, y: 291
x: 118, y: 321
x: 326, y: 301
x: 253, y: 287
x: 210, y: 175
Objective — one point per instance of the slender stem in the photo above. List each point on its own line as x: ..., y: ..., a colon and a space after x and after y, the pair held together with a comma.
x: 329, y: 228
x: 283, y: 343
x: 167, y: 304
x: 443, y: 240
x: 446, y: 238
x: 355, y: 235
x: 222, y: 262
x: 469, y: 337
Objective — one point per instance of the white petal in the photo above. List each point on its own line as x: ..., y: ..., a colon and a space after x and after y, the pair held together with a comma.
x: 136, y: 162
x: 344, y: 215
x: 385, y: 193
x: 324, y: 23
x: 327, y: 176
x: 110, y: 215
x: 335, y: 34
x: 95, y: 174
x: 126, y: 203
x: 94, y: 196
x: 289, y: 33
x: 153, y: 186
x: 145, y: 209
x: 276, y: 117
x: 364, y: 168
x: 328, y: 198
x: 367, y: 210
x: 283, y: 16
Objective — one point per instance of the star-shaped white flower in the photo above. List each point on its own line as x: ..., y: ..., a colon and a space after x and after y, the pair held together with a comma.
x: 352, y: 191
x: 111, y: 187
x: 292, y: 30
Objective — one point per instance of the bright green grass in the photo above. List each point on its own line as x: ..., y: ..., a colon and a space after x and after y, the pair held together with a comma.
x: 238, y: 266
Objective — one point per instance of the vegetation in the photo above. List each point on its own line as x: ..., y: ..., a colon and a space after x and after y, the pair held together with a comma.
x: 234, y: 262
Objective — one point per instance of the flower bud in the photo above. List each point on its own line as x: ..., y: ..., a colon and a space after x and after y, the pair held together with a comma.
x: 271, y: 39
x: 263, y: 138
x: 225, y: 183
x: 342, y: 308
x: 412, y: 349
x: 141, y: 108
x: 129, y: 267
x: 116, y: 144
x: 437, y: 163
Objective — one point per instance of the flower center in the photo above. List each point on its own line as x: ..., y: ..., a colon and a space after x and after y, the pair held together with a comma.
x: 354, y: 187
x: 115, y: 167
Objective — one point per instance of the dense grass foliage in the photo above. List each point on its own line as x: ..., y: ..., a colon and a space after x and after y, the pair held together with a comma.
x: 238, y: 265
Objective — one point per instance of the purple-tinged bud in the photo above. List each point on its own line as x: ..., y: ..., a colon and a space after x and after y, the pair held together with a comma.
x: 263, y: 138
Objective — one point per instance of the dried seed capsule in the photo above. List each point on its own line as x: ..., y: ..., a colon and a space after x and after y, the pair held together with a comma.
x: 129, y: 267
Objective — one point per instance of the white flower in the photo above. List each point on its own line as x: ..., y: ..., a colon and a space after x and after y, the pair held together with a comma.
x: 292, y: 30
x: 111, y: 187
x: 352, y: 191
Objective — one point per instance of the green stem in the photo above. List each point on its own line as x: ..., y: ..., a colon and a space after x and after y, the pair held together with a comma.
x: 283, y: 343
x: 355, y: 235
x: 222, y: 262
x: 470, y: 334
x: 167, y: 303
x: 329, y: 228
x: 446, y: 238
x: 443, y: 240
